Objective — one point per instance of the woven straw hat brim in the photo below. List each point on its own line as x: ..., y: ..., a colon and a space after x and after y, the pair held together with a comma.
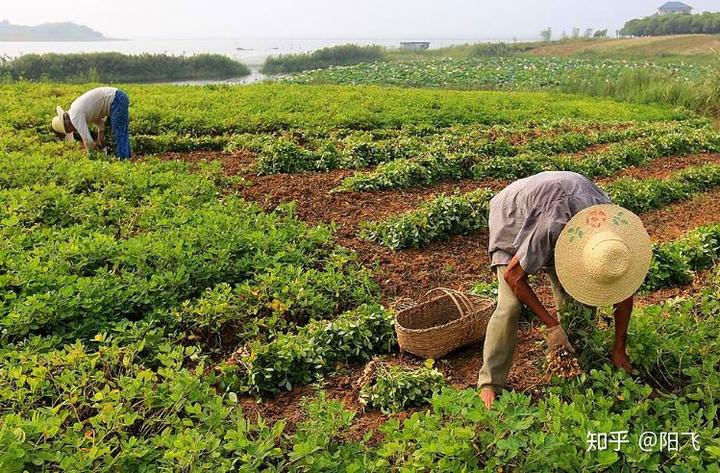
x: 570, y: 261
x: 58, y: 123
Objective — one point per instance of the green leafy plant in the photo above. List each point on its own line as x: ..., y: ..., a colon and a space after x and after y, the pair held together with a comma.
x: 436, y: 219
x: 393, y: 388
x: 469, y: 157
x: 292, y: 359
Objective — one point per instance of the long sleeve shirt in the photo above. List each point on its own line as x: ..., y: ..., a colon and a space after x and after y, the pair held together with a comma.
x: 527, y: 217
x: 91, y: 108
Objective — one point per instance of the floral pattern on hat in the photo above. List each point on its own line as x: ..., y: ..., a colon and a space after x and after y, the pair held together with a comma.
x: 576, y: 234
x: 620, y: 219
x: 596, y: 219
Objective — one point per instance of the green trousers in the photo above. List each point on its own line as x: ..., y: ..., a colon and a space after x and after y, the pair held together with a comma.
x: 501, y: 335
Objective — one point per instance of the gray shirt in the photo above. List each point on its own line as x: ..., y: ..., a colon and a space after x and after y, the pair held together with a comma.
x: 527, y: 217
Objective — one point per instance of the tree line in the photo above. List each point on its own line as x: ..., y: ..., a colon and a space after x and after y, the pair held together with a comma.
x: 662, y: 25
x: 116, y: 67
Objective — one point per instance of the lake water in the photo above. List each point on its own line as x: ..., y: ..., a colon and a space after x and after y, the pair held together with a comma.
x: 252, y: 52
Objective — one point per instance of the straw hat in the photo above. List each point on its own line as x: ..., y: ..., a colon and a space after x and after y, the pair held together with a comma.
x: 603, y: 255
x: 58, y: 123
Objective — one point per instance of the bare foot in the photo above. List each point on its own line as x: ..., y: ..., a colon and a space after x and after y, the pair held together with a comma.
x: 621, y: 360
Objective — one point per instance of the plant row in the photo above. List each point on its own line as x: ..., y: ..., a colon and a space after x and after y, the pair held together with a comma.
x: 299, y: 358
x: 677, y: 262
x: 512, y: 163
x: 458, y: 214
x: 434, y: 220
x: 298, y: 152
x: 321, y: 150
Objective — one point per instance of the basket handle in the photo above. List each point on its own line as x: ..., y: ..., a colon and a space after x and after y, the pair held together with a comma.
x: 462, y: 302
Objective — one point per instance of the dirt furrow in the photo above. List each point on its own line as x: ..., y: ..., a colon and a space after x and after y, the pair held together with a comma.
x: 673, y: 221
x: 661, y: 168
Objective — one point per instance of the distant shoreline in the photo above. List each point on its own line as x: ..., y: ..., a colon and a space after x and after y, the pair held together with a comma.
x: 55, y: 40
x: 49, y: 32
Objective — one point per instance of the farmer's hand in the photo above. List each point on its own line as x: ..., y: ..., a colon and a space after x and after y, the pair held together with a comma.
x: 101, y: 139
x: 555, y: 337
x: 488, y: 396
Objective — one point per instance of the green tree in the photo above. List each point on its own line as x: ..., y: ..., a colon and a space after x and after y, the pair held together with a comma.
x: 662, y: 25
x: 546, y: 34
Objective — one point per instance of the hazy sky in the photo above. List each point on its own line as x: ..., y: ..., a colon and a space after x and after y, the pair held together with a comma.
x: 335, y: 19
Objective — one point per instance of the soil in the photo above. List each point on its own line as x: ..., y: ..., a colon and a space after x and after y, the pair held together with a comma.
x: 699, y: 283
x: 316, y: 203
x: 232, y: 163
x: 457, y: 262
x: 661, y: 168
x: 671, y: 222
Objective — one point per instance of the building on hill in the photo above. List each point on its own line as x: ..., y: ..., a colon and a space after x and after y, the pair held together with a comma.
x: 671, y: 8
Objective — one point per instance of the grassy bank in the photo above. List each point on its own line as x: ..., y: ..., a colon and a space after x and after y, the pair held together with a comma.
x: 116, y: 67
x: 323, y: 58
x: 696, y: 47
x: 689, y: 47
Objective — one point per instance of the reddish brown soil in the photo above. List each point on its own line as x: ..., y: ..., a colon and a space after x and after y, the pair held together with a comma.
x: 671, y: 222
x: 662, y: 168
x: 232, y: 163
x: 698, y: 284
x: 457, y: 262
x: 316, y: 203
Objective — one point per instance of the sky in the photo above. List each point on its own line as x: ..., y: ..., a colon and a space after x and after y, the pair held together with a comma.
x: 336, y: 19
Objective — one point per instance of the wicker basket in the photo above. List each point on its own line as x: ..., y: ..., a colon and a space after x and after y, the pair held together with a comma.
x: 434, y: 328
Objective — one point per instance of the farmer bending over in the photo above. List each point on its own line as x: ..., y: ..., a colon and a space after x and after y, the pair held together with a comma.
x: 92, y: 109
x: 601, y: 255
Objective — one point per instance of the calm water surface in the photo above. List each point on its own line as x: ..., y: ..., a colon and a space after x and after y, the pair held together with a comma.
x: 252, y: 52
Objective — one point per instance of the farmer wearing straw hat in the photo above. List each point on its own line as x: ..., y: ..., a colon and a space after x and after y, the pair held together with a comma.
x: 92, y: 109
x: 593, y: 251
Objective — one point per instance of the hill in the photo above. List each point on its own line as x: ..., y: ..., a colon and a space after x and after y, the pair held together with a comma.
x: 48, y: 32
x: 678, y: 45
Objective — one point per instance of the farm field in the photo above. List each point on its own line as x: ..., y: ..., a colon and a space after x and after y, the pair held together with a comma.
x: 685, y: 81
x: 225, y: 301
x: 495, y: 72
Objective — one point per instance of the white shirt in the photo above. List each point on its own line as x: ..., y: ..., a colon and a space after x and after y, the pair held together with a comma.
x: 91, y: 108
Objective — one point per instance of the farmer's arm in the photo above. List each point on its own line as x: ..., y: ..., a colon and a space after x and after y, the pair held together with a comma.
x: 81, y: 126
x: 622, y: 313
x: 517, y: 279
x: 101, y: 134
